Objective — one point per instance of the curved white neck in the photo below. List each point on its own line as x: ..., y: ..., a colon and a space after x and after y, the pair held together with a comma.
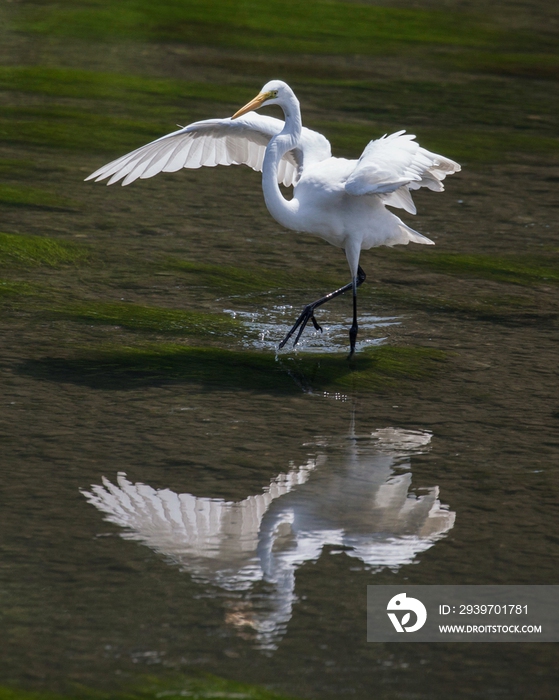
x: 283, y: 210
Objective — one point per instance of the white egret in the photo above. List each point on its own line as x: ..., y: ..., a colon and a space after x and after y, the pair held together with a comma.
x: 343, y: 201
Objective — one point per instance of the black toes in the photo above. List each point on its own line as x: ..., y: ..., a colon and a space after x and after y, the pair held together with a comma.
x: 316, y: 325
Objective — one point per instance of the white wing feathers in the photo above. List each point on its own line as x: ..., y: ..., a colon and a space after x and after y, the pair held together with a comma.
x: 215, y: 142
x: 394, y: 164
x: 389, y: 167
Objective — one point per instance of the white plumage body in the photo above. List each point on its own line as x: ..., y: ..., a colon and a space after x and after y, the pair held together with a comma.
x: 328, y: 210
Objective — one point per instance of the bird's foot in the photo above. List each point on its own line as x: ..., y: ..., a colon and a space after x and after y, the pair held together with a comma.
x: 306, y: 316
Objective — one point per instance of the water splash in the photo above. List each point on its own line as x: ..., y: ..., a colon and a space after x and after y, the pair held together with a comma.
x: 266, y: 328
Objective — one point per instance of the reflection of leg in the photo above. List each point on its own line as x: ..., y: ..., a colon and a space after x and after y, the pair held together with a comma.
x: 308, y: 311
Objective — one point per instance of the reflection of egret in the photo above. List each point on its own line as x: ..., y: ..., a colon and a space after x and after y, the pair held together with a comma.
x: 347, y: 497
x: 342, y: 201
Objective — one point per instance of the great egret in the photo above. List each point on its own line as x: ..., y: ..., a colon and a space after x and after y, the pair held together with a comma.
x: 343, y: 201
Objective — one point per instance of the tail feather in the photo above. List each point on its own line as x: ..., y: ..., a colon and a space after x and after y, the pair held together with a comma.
x: 414, y: 236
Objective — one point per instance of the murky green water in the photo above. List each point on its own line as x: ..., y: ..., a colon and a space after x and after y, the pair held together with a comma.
x: 178, y: 497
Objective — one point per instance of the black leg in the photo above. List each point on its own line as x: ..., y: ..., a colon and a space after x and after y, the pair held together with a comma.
x: 308, y: 311
x: 354, y: 327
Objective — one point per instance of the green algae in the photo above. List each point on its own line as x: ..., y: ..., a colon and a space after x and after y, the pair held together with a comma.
x: 523, y: 272
x: 475, y: 104
x: 230, y: 280
x: 457, y: 39
x: 216, y: 368
x: 58, y: 126
x: 94, y: 85
x: 16, y: 167
x: 316, y: 26
x: 199, y: 686
x: 155, y: 105
x: 529, y: 65
x: 150, y: 319
x: 464, y: 145
x: 152, y: 107
x: 206, y: 686
x: 506, y: 310
x: 488, y: 145
x: 14, y: 289
x: 23, y: 196
x: 30, y: 251
x: 481, y: 120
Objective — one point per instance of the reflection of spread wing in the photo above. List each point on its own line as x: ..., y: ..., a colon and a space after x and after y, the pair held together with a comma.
x: 214, y: 142
x: 185, y: 526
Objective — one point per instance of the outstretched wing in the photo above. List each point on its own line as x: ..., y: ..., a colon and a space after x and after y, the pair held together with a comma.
x: 393, y: 165
x: 214, y: 142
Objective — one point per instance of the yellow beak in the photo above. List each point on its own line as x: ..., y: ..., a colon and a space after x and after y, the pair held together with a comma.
x: 253, y: 104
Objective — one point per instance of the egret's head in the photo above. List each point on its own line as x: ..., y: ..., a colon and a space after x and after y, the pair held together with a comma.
x: 274, y: 92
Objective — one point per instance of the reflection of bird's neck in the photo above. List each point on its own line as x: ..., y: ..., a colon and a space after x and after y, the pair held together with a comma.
x: 284, y: 211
